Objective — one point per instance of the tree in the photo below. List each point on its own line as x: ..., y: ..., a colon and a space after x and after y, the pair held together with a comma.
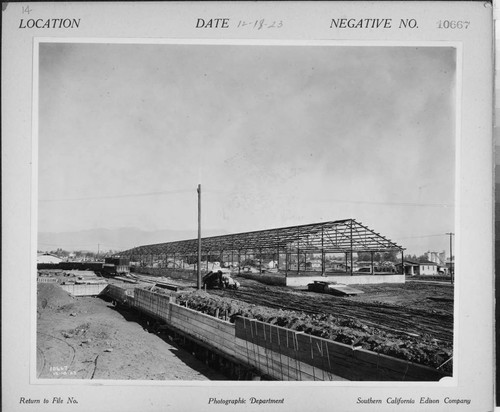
x: 364, y: 256
x: 390, y: 256
x: 422, y: 258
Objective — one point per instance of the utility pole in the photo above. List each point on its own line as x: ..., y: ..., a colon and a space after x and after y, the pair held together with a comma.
x: 452, y: 272
x: 198, y: 267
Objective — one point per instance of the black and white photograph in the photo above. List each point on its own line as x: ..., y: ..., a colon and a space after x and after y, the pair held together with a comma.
x: 256, y: 205
x: 324, y: 177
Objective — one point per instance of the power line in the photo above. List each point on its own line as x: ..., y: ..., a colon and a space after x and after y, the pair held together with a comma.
x: 368, y: 202
x: 165, y: 192
x: 445, y: 205
x: 423, y: 236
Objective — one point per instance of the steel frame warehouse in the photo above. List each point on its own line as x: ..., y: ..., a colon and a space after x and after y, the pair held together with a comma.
x: 341, y: 236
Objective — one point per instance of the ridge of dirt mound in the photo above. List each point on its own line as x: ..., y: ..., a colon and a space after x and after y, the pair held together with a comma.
x: 52, y: 296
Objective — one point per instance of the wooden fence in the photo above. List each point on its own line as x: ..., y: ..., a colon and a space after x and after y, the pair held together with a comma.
x: 332, y: 357
x: 277, y: 352
x: 84, y: 289
x: 47, y: 280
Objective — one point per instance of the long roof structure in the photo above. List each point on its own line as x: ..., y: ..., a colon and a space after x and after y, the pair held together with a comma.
x: 339, y: 236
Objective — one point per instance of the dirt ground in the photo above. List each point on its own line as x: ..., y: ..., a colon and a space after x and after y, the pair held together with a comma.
x: 413, y: 308
x: 86, y: 338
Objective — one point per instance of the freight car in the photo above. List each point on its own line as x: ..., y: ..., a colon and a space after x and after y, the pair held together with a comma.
x: 111, y: 266
x: 115, y: 267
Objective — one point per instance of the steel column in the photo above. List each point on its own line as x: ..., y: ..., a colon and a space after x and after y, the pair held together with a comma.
x: 298, y: 251
x: 351, y: 252
x: 323, y: 266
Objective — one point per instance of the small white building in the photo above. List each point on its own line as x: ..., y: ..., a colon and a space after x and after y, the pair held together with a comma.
x: 418, y: 268
x: 272, y: 264
x: 428, y: 269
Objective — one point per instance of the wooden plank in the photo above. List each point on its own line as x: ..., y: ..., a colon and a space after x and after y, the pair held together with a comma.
x: 406, y: 369
x: 127, y: 280
x: 280, y: 366
x: 330, y: 356
x: 222, y: 344
x: 191, y: 312
x: 47, y: 280
x: 266, y: 365
x: 209, y: 326
x: 210, y: 335
x: 205, y: 335
x: 265, y: 335
x: 84, y: 290
x: 262, y: 359
x: 152, y: 303
x: 168, y: 286
x: 227, y: 354
x: 301, y: 348
x: 196, y: 325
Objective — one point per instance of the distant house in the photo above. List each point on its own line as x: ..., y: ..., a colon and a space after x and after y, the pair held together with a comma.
x: 47, y: 258
x: 410, y: 267
x: 314, y: 264
x: 269, y: 264
x: 428, y: 268
x: 337, y: 266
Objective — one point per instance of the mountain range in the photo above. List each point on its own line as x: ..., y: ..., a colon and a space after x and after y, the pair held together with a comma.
x: 114, y: 239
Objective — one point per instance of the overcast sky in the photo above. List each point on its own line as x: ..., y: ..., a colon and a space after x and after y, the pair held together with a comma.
x: 276, y: 135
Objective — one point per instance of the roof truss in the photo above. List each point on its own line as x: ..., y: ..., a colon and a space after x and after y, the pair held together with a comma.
x: 340, y: 236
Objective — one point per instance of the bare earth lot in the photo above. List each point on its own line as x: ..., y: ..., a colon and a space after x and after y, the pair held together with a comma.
x: 413, y: 308
x: 86, y: 338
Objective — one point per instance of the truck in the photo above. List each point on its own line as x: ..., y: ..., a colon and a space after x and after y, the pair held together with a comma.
x: 220, y: 279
